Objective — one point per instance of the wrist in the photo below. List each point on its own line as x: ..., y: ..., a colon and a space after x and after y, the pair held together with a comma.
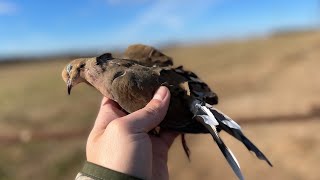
x: 130, y: 154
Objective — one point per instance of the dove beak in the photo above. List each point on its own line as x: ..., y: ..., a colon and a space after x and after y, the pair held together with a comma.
x: 69, y: 86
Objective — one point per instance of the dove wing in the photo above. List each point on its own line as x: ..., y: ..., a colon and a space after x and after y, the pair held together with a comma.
x: 147, y: 55
x: 198, y: 88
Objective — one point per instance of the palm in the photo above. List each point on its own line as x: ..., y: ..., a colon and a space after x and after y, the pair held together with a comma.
x: 160, y: 148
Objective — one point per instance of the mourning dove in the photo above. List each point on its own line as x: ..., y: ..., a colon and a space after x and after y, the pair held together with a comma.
x: 132, y: 80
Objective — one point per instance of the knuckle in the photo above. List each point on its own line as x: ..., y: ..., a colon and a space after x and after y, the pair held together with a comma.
x: 152, y: 111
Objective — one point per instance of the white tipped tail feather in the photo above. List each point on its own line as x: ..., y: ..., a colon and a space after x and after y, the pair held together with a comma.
x: 232, y: 128
x: 214, y: 120
x: 204, y: 115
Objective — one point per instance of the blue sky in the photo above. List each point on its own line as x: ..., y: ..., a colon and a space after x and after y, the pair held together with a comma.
x: 39, y: 27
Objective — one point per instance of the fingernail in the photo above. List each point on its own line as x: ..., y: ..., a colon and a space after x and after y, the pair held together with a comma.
x: 160, y: 93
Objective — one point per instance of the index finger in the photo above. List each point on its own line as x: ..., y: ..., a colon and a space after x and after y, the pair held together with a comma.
x: 109, y: 110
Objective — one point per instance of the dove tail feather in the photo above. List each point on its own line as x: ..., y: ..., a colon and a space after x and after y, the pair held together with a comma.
x: 223, y: 148
x: 228, y: 155
x: 232, y: 128
x: 185, y: 146
x: 251, y: 147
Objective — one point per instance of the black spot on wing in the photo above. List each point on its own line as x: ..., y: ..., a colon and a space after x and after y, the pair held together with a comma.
x: 103, y: 58
x: 117, y: 74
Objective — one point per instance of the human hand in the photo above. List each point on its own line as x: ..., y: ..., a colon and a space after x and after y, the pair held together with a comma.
x: 121, y: 142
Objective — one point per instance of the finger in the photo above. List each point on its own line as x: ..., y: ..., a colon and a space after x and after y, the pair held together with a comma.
x: 109, y: 110
x: 152, y: 114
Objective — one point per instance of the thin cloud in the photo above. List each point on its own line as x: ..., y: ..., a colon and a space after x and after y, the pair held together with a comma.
x: 8, y: 8
x: 169, y: 15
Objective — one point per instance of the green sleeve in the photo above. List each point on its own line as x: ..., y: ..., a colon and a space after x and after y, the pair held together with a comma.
x: 92, y: 171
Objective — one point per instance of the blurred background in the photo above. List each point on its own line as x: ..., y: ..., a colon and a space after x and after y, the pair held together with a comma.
x: 261, y: 57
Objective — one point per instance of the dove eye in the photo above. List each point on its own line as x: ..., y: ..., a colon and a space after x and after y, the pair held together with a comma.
x: 81, y: 65
x: 68, y: 68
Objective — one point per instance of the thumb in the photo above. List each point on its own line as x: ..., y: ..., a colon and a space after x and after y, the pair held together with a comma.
x: 109, y: 110
x: 152, y: 114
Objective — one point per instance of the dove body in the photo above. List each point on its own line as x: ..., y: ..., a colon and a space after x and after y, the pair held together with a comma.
x: 132, y: 86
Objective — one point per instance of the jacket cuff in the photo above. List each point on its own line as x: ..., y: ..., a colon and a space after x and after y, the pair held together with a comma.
x: 98, y: 172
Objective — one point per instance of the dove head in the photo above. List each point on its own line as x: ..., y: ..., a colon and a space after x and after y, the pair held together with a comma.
x: 72, y: 73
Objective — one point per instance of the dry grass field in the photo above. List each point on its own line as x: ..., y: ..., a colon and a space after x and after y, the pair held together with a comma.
x: 261, y: 77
